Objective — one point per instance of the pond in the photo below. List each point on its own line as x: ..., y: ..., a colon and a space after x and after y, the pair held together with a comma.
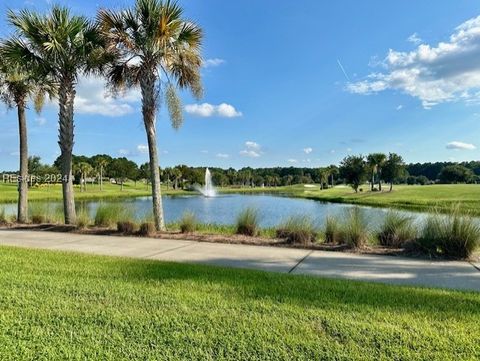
x: 223, y: 209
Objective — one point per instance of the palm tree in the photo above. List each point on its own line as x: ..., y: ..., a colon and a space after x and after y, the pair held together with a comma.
x: 376, y: 162
x: 85, y: 169
x: 17, y: 84
x: 100, y: 164
x: 62, y: 46
x: 156, y: 49
x: 333, y: 172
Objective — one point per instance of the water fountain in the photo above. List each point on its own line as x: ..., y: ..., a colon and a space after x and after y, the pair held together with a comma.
x: 208, y: 190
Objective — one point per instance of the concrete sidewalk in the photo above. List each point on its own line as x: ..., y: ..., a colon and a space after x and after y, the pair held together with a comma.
x: 386, y: 269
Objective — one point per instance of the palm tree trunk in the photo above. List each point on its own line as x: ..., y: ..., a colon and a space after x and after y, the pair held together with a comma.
x: 149, y: 112
x: 22, y: 214
x: 373, y: 180
x: 101, y: 178
x: 391, y: 186
x: 379, y: 180
x: 66, y: 101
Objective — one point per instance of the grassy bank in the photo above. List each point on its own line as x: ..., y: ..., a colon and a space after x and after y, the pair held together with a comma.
x: 422, y: 198
x: 72, y: 306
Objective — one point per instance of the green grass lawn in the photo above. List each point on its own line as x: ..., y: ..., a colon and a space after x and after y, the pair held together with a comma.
x: 442, y: 196
x: 70, y: 306
x: 8, y: 192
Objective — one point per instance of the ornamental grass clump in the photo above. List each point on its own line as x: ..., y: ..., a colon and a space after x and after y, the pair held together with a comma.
x: 450, y: 235
x: 188, y: 223
x: 332, y: 230
x: 355, y: 231
x: 109, y: 214
x: 397, y: 230
x: 298, y: 229
x: 248, y: 222
x: 83, y: 218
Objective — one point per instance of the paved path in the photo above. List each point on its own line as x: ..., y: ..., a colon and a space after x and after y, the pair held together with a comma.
x: 394, y: 270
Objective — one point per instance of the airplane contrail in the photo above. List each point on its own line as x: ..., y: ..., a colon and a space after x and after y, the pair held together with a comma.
x: 343, y: 70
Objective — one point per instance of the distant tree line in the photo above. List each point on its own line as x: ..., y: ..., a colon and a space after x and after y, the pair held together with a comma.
x: 354, y: 170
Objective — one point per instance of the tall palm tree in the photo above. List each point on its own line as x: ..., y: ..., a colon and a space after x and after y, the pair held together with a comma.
x: 376, y: 161
x: 63, y: 46
x: 17, y: 85
x: 156, y: 50
x: 100, y: 164
x: 85, y: 169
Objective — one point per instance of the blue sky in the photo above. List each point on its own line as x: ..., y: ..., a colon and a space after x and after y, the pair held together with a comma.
x: 294, y: 83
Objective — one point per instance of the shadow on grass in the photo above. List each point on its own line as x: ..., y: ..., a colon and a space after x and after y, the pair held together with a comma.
x: 307, y: 291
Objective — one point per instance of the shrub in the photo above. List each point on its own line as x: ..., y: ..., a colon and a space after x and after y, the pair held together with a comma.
x: 45, y: 213
x: 126, y: 227
x: 355, y: 230
x: 298, y: 230
x: 188, y: 223
x: 452, y: 235
x: 147, y: 229
x: 108, y: 215
x: 248, y: 222
x: 3, y: 216
x: 332, y: 231
x: 83, y: 218
x: 396, y: 230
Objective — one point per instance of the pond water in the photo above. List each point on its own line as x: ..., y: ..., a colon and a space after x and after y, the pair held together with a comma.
x: 223, y: 209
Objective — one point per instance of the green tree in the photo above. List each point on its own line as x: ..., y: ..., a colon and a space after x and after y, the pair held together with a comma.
x: 17, y: 85
x: 150, y: 39
x: 323, y: 174
x: 85, y: 169
x: 376, y: 161
x: 353, y: 169
x: 394, y: 168
x: 456, y: 174
x: 333, y: 172
x: 122, y: 169
x: 100, y: 164
x: 61, y: 46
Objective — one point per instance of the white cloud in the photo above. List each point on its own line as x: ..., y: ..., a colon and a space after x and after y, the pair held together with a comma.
x: 292, y: 161
x: 349, y: 150
x: 460, y: 146
x: 92, y: 98
x: 253, y: 149
x: 214, y: 62
x: 204, y: 151
x: 332, y: 151
x: 448, y: 71
x: 308, y: 150
x: 252, y: 145
x: 250, y: 153
x: 400, y: 107
x: 40, y: 121
x: 142, y: 148
x: 123, y: 152
x: 222, y: 155
x: 208, y: 110
x: 414, y: 38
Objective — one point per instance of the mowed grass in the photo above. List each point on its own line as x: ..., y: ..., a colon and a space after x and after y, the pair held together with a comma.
x: 71, y: 306
x: 8, y: 192
x: 441, y: 196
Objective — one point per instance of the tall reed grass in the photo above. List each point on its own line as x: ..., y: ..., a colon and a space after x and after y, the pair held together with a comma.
x: 40, y: 212
x: 299, y: 229
x: 355, y: 232
x: 109, y: 214
x: 188, y: 223
x: 397, y: 230
x: 247, y: 222
x: 452, y: 235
